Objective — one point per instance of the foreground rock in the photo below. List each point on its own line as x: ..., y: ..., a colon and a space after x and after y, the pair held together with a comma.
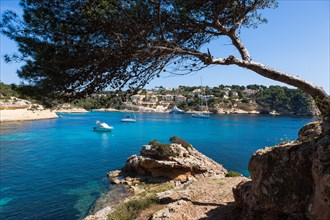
x: 161, y: 162
x: 207, y: 198
x: 185, y: 183
x: 291, y: 180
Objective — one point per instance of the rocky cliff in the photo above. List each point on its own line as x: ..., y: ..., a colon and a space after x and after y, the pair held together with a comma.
x: 263, y: 108
x: 290, y: 180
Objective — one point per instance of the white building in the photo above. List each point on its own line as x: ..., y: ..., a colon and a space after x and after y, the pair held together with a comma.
x: 137, y: 98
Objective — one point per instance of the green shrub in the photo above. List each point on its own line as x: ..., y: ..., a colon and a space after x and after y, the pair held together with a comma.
x: 163, y: 150
x: 7, y: 91
x: 131, y: 209
x: 178, y: 140
x: 233, y: 174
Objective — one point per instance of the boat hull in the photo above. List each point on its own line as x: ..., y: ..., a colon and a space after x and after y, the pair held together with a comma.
x: 103, y: 129
x: 200, y: 116
x: 131, y: 120
x: 176, y: 112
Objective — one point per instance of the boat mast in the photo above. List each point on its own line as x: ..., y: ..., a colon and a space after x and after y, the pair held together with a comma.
x: 202, y: 93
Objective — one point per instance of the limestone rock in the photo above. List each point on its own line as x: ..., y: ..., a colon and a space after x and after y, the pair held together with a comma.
x: 174, y: 211
x: 290, y: 181
x: 177, y: 163
x: 206, y: 198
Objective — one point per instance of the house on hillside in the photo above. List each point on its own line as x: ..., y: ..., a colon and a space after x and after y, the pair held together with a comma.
x: 249, y: 92
x: 179, y: 98
x: 196, y: 92
x: 206, y: 98
x: 152, y: 98
x: 167, y: 98
x: 138, y: 99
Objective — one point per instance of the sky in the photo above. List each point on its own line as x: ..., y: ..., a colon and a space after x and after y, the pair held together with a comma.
x: 295, y: 40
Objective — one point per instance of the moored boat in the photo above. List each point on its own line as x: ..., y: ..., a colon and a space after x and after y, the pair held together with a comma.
x: 176, y: 110
x: 128, y: 119
x: 200, y: 115
x: 102, y: 126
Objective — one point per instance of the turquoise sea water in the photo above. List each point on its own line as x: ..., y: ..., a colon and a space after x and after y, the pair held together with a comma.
x: 56, y: 169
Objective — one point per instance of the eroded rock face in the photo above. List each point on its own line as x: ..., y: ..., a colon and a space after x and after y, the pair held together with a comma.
x: 291, y: 180
x: 320, y: 203
x: 178, y: 163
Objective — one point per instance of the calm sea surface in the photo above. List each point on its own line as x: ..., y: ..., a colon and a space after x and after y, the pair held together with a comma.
x: 56, y: 169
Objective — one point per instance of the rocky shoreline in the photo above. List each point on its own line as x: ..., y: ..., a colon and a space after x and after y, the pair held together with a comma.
x: 23, y: 110
x: 174, y: 181
x: 185, y: 183
x: 249, y: 108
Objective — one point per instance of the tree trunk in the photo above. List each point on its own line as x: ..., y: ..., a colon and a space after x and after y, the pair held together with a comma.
x: 321, y: 98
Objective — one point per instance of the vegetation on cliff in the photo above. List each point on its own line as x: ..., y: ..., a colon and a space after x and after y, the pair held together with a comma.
x: 184, y: 143
x: 283, y: 100
x: 18, y: 91
x: 162, y: 150
x: 131, y: 209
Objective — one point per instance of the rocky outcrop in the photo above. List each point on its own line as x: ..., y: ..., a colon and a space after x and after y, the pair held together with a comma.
x: 186, y: 184
x: 291, y: 180
x: 268, y: 106
x: 237, y: 108
x: 208, y: 198
x: 14, y: 103
x: 160, y: 162
x: 68, y: 108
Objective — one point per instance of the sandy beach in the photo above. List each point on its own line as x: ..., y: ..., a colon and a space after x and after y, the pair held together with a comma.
x: 26, y: 115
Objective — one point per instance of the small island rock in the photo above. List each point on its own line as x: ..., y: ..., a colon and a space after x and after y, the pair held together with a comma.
x: 168, y: 162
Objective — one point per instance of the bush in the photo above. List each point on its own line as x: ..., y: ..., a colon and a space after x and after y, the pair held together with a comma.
x: 184, y: 143
x: 131, y: 209
x: 163, y: 150
x: 7, y: 91
x: 233, y: 174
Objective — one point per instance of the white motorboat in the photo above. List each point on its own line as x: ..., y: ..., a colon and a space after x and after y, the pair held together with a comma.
x: 128, y: 119
x: 102, y: 126
x: 176, y: 110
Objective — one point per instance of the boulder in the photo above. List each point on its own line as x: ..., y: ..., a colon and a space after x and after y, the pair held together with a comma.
x: 291, y: 180
x: 166, y: 162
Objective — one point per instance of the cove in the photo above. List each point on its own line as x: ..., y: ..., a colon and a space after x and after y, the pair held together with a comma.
x: 56, y: 169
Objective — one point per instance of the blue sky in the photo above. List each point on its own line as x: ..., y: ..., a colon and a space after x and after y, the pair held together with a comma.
x: 295, y: 39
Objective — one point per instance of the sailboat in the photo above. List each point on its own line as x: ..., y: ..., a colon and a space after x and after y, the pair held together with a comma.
x: 201, y: 114
x: 128, y: 118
